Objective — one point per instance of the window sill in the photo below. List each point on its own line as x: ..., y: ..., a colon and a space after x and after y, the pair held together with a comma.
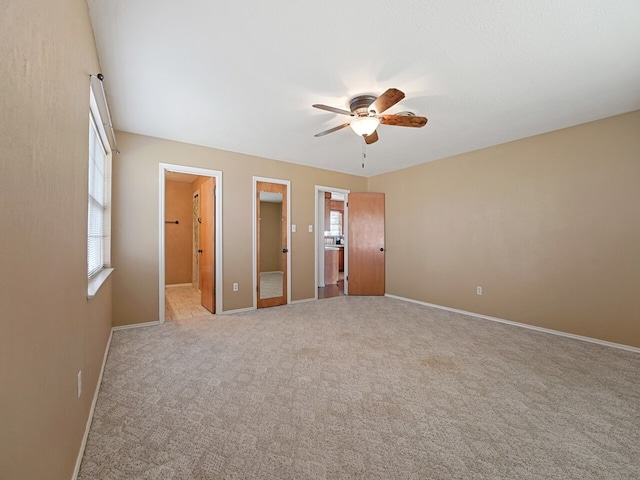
x: 96, y: 282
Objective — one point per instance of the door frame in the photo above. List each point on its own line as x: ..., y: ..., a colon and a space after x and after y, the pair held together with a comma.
x: 203, y: 172
x: 319, y: 236
x: 254, y: 225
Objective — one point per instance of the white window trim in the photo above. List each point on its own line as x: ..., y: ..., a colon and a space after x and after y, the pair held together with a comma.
x: 95, y: 282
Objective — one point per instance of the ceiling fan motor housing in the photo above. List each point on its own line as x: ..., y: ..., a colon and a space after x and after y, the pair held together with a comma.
x: 360, y: 104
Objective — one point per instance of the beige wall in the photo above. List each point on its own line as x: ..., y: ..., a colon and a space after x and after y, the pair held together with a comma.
x: 135, y: 213
x: 178, y: 238
x: 48, y: 329
x: 548, y: 226
x: 270, y: 237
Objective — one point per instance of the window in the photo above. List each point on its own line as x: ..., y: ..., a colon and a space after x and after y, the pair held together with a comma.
x: 99, y: 211
x: 336, y: 223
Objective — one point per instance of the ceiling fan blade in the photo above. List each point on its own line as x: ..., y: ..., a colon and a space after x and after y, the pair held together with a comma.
x: 332, y: 109
x: 403, y: 120
x: 373, y: 138
x: 386, y: 100
x: 331, y: 130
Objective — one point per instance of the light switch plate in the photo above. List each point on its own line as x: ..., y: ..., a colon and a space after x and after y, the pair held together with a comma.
x: 310, y: 228
x: 293, y: 228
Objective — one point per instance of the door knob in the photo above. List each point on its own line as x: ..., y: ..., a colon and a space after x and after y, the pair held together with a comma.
x: 285, y: 250
x: 200, y: 251
x: 381, y: 249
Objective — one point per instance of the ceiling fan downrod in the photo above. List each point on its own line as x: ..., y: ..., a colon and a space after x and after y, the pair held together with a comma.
x: 364, y: 151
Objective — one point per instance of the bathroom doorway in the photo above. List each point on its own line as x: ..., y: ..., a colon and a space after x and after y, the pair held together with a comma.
x: 190, y: 238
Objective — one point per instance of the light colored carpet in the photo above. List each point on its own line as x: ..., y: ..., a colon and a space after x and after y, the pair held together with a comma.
x: 362, y: 388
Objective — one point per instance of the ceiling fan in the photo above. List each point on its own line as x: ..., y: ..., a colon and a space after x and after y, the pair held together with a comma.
x: 367, y: 110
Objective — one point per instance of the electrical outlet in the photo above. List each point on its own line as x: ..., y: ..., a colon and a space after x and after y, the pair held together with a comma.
x: 235, y: 287
x: 79, y: 383
x: 478, y: 290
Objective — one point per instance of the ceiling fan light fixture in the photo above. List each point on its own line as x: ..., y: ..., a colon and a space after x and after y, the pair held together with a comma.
x: 364, y: 125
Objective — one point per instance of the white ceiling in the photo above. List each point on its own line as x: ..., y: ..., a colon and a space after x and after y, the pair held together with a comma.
x: 242, y: 76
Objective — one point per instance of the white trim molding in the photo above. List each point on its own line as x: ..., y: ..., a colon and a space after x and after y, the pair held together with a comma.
x: 137, y: 325
x: 303, y: 300
x: 97, y: 280
x: 92, y: 410
x: 239, y: 310
x: 522, y: 325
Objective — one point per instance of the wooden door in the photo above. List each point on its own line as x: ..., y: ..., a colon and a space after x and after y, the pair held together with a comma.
x: 195, y: 261
x: 271, y: 280
x: 207, y: 245
x: 366, y: 244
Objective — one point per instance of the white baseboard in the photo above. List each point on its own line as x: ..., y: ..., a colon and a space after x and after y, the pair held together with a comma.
x: 172, y: 285
x: 238, y: 310
x: 83, y: 445
x: 136, y: 325
x: 304, y: 300
x: 522, y: 325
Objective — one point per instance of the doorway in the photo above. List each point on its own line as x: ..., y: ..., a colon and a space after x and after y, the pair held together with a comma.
x: 364, y: 243
x: 272, y: 266
x: 184, y: 291
x: 331, y: 242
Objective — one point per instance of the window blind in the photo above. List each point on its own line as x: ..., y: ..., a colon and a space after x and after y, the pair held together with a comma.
x: 98, y: 235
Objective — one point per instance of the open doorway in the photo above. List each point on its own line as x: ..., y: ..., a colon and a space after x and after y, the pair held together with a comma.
x: 190, y: 240
x: 331, y: 241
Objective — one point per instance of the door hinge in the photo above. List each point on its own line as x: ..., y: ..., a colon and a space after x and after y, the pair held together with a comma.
x: 347, y: 278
